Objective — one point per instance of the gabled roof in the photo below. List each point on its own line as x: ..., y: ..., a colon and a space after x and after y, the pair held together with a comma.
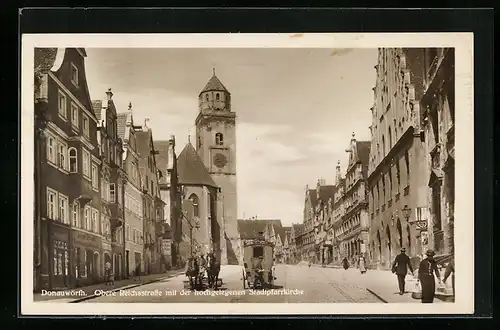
x: 214, y: 84
x: 142, y: 141
x: 325, y: 192
x: 249, y: 229
x: 97, y: 106
x: 191, y: 170
x: 363, y: 150
x: 161, y: 159
x: 312, y: 197
x: 279, y: 230
x: 121, y: 123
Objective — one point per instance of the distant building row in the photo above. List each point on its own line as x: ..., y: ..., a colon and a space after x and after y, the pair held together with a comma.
x: 398, y: 189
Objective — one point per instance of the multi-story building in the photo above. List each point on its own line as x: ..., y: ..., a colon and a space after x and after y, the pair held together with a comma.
x: 274, y: 232
x: 438, y: 117
x: 337, y: 214
x: 397, y: 192
x: 113, y: 179
x: 68, y: 237
x: 170, y: 194
x: 149, y: 174
x: 351, y: 230
x: 294, y: 248
x: 133, y: 199
x: 322, y: 222
x: 308, y: 236
x: 287, y: 250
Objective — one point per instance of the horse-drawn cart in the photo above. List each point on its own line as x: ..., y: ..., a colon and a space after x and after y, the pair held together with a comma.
x: 258, y: 264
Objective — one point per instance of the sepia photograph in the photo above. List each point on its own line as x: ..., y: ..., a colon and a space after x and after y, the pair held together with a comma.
x: 256, y: 174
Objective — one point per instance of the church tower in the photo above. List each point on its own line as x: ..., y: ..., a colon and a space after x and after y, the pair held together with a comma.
x: 216, y: 146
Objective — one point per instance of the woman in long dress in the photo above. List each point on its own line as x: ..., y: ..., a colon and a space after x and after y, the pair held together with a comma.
x: 426, y: 271
x: 345, y: 263
x: 361, y: 265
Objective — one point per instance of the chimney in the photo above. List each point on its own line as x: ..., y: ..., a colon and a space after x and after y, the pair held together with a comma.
x: 109, y: 93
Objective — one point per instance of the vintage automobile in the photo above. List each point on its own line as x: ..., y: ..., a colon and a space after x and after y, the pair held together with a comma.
x: 258, y: 264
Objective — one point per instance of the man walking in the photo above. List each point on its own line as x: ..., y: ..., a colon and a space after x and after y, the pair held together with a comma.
x: 400, y: 267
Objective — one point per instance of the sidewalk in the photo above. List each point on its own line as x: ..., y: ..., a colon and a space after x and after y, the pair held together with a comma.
x: 384, y: 284
x: 88, y: 291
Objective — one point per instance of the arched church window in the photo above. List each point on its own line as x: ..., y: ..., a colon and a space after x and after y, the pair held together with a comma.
x: 194, y: 199
x: 217, y: 97
x: 219, y: 139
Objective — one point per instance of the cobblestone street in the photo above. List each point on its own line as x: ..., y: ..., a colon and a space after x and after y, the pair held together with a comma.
x: 318, y: 285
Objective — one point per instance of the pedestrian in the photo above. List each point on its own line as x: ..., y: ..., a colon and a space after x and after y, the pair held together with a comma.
x: 137, y: 272
x: 450, y: 270
x: 109, y: 276
x: 361, y: 264
x: 345, y: 262
x: 426, y: 271
x: 400, y: 267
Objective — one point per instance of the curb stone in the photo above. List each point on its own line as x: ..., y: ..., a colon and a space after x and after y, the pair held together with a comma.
x: 126, y: 287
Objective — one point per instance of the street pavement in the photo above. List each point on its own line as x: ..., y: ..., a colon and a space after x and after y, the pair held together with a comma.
x: 302, y: 284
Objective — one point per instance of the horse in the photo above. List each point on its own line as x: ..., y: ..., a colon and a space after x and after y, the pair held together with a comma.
x: 192, y: 272
x: 213, y: 269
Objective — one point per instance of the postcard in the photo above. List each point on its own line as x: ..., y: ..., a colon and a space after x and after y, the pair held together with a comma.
x: 223, y: 174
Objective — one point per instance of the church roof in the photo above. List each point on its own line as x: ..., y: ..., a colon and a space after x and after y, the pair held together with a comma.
x: 214, y: 84
x: 191, y: 170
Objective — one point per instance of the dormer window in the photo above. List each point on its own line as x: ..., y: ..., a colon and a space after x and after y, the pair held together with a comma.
x: 206, y: 97
x: 74, y: 75
x: 219, y: 139
x: 217, y: 97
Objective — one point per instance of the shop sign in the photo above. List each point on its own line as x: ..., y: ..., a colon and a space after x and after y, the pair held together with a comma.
x: 87, y: 239
x: 166, y: 247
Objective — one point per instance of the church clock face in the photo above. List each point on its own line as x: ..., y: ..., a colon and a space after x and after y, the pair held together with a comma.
x: 220, y: 160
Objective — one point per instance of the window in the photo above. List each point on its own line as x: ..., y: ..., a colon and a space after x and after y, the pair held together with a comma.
x: 206, y: 97
x: 51, y: 152
x: 112, y: 196
x: 85, y: 123
x: 61, y: 105
x: 74, y: 215
x: 194, y: 199
x: 74, y: 115
x: 86, y: 218
x: 95, y: 179
x: 398, y: 174
x: 217, y: 97
x: 51, y: 203
x: 61, y: 258
x: 62, y: 151
x: 219, y: 139
x: 95, y: 221
x: 86, y: 163
x: 73, y: 161
x: 127, y: 232
x: 63, y: 209
x: 119, y: 193
x: 74, y: 75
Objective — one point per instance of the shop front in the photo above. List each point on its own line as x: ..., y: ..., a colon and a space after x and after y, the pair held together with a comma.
x: 59, y: 257
x: 87, y: 254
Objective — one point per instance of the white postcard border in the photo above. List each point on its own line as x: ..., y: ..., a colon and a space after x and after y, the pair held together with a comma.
x: 464, y: 170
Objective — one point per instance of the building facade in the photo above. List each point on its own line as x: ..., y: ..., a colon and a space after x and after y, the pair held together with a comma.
x: 171, y: 196
x: 295, y: 244
x: 149, y: 173
x: 352, y: 229
x: 113, y: 179
x: 322, y: 222
x: 438, y: 117
x: 397, y: 193
x: 68, y: 239
x: 308, y: 238
x: 216, y: 146
x: 133, y: 198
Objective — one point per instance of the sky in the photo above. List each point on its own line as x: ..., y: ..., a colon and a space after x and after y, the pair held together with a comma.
x: 296, y: 110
